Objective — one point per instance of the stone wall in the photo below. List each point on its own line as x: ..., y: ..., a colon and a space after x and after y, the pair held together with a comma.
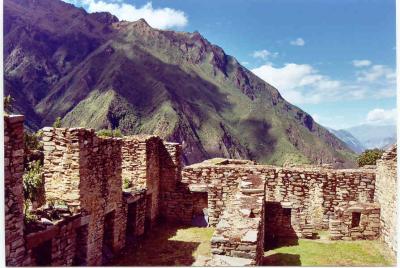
x: 177, y: 201
x: 355, y: 221
x: 310, y: 193
x: 246, y: 202
x: 14, y: 195
x: 84, y: 172
x: 141, y: 167
x: 386, y: 196
x: 63, y: 239
x: 239, y: 235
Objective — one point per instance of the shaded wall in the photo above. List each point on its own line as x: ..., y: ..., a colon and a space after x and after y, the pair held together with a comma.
x: 14, y: 195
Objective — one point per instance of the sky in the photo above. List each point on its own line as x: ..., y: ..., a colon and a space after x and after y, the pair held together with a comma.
x: 335, y: 59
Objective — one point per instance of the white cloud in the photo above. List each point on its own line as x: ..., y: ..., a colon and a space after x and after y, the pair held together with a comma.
x: 298, y: 42
x: 376, y: 72
x: 303, y: 83
x: 298, y: 83
x: 381, y: 116
x: 264, y: 54
x: 361, y: 63
x: 162, y: 18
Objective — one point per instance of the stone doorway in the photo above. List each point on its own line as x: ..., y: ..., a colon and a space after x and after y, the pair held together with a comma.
x: 80, y: 258
x: 108, y: 236
x: 131, y: 223
x: 200, y: 209
x: 278, y: 226
x: 42, y: 253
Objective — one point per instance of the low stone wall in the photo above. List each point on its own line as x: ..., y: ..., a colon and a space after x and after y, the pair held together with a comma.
x: 386, y: 196
x: 310, y: 193
x: 355, y: 221
x: 65, y: 243
x: 14, y: 195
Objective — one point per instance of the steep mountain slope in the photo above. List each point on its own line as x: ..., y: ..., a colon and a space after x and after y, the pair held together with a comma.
x: 374, y: 136
x: 95, y: 71
x: 349, y: 139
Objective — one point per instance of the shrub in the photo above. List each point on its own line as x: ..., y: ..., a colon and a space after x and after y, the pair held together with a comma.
x: 369, y: 157
x: 33, y: 181
x: 7, y: 102
x: 116, y: 133
x: 57, y: 123
x: 32, y: 141
x: 126, y: 184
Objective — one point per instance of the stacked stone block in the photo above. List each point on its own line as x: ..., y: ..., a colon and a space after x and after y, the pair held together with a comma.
x: 364, y: 215
x: 14, y: 195
x: 84, y: 171
x: 141, y: 166
x: 311, y: 193
x: 63, y: 236
x: 239, y: 235
x: 386, y: 196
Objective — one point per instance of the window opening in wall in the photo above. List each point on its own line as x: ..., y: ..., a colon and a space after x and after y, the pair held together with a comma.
x: 131, y: 223
x: 355, y: 219
x: 81, y: 246
x: 108, y: 236
x: 42, y: 253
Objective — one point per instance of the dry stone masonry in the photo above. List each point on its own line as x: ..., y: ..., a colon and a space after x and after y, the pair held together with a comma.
x: 14, y: 195
x: 105, y: 193
x: 386, y: 196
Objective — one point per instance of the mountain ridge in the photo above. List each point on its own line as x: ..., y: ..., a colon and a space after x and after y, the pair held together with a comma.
x: 178, y: 85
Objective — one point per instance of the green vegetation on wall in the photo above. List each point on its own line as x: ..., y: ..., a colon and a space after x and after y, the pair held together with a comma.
x: 369, y: 157
x: 116, y: 133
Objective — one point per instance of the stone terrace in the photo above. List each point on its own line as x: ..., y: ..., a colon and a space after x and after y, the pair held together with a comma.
x: 112, y: 191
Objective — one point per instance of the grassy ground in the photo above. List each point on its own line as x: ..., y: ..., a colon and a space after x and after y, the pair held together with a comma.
x: 169, y: 245
x: 322, y: 252
x: 177, y: 245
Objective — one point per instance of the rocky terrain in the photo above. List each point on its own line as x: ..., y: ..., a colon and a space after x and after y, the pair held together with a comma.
x: 95, y: 71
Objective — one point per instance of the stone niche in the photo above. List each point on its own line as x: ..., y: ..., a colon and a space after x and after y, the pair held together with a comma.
x: 355, y: 221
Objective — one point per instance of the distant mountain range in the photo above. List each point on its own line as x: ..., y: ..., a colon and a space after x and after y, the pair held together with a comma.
x: 95, y: 71
x: 362, y: 137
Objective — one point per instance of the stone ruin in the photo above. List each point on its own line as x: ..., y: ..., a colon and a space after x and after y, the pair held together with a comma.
x: 109, y: 192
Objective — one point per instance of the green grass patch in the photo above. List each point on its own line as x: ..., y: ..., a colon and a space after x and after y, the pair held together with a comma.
x: 168, y: 245
x: 324, y: 252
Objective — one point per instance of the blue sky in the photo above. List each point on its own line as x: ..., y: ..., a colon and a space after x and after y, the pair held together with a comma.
x: 333, y: 58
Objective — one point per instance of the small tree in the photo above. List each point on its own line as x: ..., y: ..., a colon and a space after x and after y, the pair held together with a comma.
x: 369, y: 157
x: 32, y: 183
x: 57, y: 123
x: 7, y: 102
x: 32, y: 140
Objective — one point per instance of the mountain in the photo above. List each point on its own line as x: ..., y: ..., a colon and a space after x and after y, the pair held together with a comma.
x: 95, y: 71
x: 349, y: 139
x: 374, y: 136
